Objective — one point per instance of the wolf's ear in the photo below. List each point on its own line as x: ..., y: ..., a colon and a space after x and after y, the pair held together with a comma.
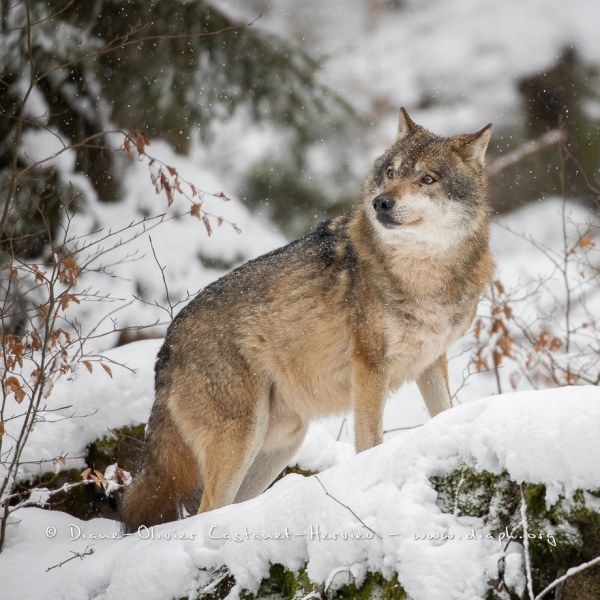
x: 405, y: 124
x: 472, y: 147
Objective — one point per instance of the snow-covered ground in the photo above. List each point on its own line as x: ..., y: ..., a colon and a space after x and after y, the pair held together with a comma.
x: 457, y: 65
x: 391, y: 521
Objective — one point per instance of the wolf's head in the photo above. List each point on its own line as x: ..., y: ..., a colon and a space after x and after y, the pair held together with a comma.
x: 428, y: 191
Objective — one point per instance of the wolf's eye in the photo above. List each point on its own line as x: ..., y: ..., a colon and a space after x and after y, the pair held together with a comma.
x: 390, y: 172
x: 427, y: 180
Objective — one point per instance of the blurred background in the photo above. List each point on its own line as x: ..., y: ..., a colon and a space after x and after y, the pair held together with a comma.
x: 280, y: 105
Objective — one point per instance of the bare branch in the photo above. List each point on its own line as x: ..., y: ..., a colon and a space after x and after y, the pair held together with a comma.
x: 550, y: 138
x: 526, y: 543
x: 572, y: 571
x: 81, y: 555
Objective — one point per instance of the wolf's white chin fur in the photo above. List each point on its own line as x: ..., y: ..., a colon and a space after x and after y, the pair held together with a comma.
x: 433, y: 227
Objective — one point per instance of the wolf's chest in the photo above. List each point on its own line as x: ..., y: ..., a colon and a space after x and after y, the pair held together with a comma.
x: 417, y: 335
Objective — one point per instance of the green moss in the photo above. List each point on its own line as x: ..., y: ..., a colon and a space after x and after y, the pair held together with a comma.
x: 296, y: 470
x: 282, y: 584
x: 477, y: 494
x: 562, y: 535
x: 85, y: 502
x: 123, y: 447
x: 374, y: 586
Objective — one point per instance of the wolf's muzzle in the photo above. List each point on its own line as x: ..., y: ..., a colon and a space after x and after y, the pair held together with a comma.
x: 383, y: 203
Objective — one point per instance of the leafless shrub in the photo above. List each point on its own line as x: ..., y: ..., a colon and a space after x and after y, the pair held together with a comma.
x: 544, y: 331
x: 41, y: 340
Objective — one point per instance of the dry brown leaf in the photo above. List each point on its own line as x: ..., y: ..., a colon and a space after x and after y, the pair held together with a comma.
x: 195, y: 210
x: 586, y: 241
x: 141, y: 141
x: 555, y: 343
x: 107, y: 369
x: 65, y: 299
x: 12, y: 384
x: 39, y: 275
x: 127, y: 146
x: 504, y: 343
x: 541, y: 342
x: 478, y: 326
x: 207, y: 225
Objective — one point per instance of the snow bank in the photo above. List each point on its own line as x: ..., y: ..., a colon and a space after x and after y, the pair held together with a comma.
x: 392, y: 522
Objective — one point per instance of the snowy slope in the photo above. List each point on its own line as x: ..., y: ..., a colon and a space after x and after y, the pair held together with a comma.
x: 387, y: 488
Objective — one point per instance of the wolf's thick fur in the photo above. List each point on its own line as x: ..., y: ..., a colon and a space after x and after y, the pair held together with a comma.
x: 328, y: 323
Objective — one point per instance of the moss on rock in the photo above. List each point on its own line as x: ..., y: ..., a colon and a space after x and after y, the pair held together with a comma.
x: 282, y: 584
x: 562, y: 535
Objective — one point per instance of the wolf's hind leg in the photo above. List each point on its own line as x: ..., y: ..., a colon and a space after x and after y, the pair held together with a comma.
x: 228, y: 456
x: 226, y: 444
x: 272, y: 459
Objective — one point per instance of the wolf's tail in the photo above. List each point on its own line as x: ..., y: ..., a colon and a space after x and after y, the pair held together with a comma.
x: 169, y: 477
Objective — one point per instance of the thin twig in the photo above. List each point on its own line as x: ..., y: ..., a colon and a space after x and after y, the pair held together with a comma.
x: 572, y: 571
x: 164, y: 280
x: 81, y: 555
x: 526, y: 544
x: 344, y: 423
x: 213, y: 584
x: 347, y: 508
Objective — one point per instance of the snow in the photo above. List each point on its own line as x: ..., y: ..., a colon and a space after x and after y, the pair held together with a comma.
x: 389, y: 501
x: 100, y: 403
x: 127, y: 265
x: 48, y: 148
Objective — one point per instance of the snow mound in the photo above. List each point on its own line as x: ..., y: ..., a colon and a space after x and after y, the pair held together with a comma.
x: 380, y: 513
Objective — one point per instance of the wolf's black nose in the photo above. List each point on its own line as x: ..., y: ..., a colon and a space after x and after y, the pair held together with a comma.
x: 383, y: 202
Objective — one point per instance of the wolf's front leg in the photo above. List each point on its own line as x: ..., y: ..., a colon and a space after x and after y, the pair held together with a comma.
x: 433, y: 384
x: 368, y: 398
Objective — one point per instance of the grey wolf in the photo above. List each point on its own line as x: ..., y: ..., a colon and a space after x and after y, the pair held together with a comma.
x: 329, y: 323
